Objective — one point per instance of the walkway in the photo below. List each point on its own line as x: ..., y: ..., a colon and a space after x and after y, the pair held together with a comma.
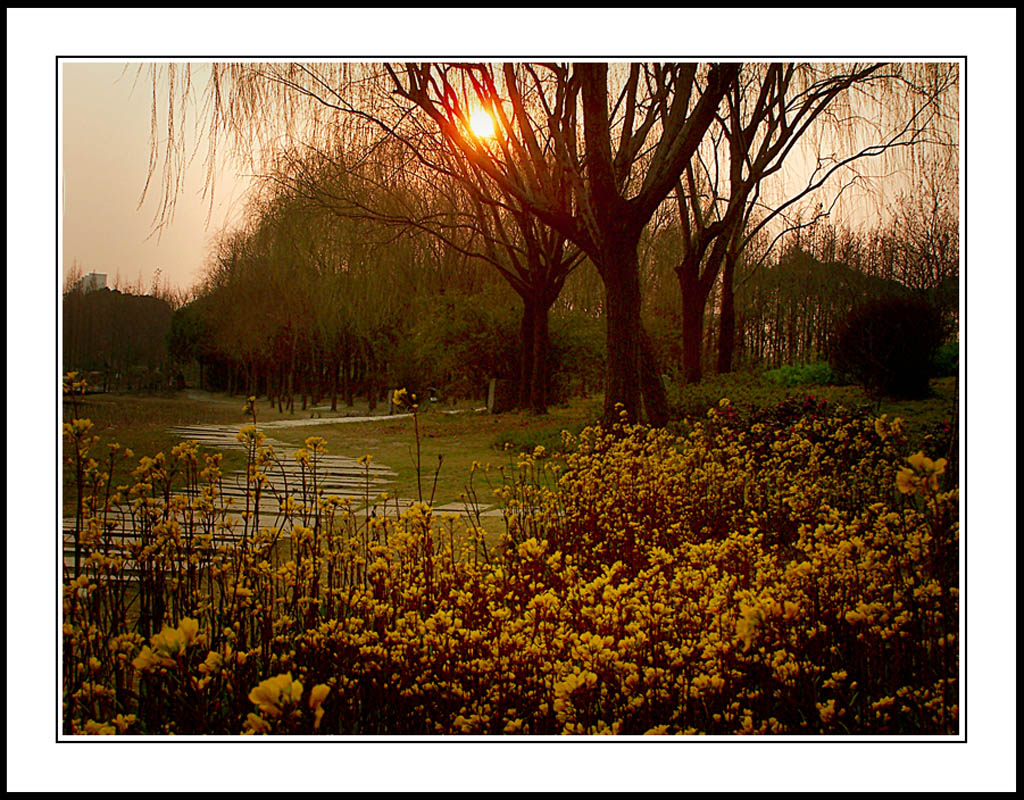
x: 337, y: 475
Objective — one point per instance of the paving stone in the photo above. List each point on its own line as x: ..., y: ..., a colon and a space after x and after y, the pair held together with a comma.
x: 341, y: 476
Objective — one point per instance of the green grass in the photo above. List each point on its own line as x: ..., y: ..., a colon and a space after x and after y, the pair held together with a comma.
x: 141, y: 423
x: 459, y: 439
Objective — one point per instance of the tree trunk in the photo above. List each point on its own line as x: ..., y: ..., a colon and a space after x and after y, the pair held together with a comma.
x: 651, y: 386
x: 335, y: 368
x: 526, y: 347
x: 540, y: 346
x: 623, y: 333
x: 350, y: 381
x: 372, y: 391
x: 693, y: 333
x: 695, y: 290
x: 727, y: 321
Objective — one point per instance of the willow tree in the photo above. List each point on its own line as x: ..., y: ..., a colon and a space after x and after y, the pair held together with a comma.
x: 450, y: 201
x: 588, y: 150
x: 590, y: 153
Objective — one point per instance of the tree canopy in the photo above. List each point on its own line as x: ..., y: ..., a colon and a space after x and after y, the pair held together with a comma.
x: 581, y: 159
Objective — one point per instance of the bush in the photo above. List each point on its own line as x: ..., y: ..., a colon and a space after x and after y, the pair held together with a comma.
x: 887, y: 346
x: 745, y: 579
x: 577, y: 355
x: 458, y: 343
x: 817, y: 374
x: 946, y: 363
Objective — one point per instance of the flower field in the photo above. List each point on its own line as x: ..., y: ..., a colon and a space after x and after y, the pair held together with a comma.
x: 793, y: 570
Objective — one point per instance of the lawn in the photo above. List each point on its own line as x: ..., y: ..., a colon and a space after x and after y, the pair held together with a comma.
x: 449, y: 443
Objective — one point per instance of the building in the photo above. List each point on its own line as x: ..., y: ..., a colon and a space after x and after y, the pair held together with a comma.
x: 91, y: 282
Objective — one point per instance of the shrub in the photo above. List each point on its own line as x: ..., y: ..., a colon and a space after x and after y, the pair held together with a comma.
x: 946, y: 363
x: 577, y: 355
x: 744, y: 579
x: 887, y: 346
x: 816, y: 374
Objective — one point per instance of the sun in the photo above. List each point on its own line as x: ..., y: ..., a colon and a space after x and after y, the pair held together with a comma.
x: 482, y: 124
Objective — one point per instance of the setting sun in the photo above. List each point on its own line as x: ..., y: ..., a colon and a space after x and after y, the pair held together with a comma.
x: 482, y: 124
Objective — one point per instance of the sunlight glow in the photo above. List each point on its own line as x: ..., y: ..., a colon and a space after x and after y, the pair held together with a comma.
x: 482, y: 124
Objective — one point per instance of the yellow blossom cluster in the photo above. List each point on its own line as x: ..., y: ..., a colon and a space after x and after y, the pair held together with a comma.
x: 758, y: 580
x: 922, y: 475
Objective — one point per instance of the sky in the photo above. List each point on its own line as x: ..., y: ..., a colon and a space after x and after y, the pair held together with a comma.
x: 106, y: 110
x: 117, y: 240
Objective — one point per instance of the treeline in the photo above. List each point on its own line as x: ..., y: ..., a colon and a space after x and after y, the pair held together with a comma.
x: 675, y: 184
x: 305, y: 306
x: 121, y: 337
x: 700, y: 246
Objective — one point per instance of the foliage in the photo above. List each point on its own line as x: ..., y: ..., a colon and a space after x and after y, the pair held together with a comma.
x: 755, y: 578
x: 116, y: 333
x: 790, y: 309
x: 459, y: 342
x: 946, y: 363
x: 887, y: 345
x: 817, y: 374
x: 190, y: 335
x: 578, y: 356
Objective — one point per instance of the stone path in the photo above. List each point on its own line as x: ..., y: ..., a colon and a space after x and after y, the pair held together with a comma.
x: 337, y: 475
x: 341, y: 475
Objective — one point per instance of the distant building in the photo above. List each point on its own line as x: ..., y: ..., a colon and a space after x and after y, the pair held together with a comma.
x: 91, y: 282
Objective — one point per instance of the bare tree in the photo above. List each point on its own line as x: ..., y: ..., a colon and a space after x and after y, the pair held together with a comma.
x: 593, y: 156
x: 590, y: 151
x: 819, y: 121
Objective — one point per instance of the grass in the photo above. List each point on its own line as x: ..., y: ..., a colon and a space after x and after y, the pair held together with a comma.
x: 450, y: 444
x: 142, y: 422
x: 453, y: 442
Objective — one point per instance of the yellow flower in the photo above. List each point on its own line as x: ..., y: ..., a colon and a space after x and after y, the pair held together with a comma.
x: 273, y: 693
x: 746, y: 625
x: 189, y: 629
x: 169, y: 642
x: 316, y: 699
x: 917, y: 461
x: 214, y: 661
x: 147, y: 659
x: 99, y: 728
x: 906, y: 481
x: 255, y: 724
x: 318, y: 694
x: 925, y: 473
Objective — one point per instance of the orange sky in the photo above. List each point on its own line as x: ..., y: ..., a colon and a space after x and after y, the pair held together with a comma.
x: 106, y: 135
